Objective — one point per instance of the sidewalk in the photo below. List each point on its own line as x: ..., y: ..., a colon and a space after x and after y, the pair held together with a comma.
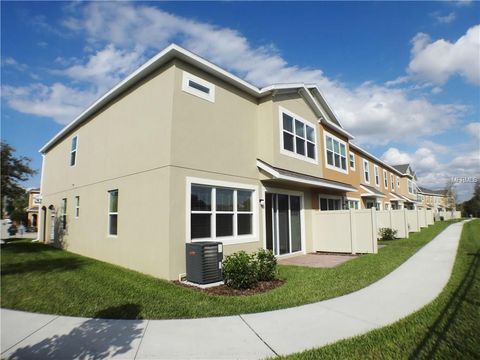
x: 254, y: 336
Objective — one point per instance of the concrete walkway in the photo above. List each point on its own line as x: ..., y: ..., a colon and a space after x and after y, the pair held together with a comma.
x: 255, y: 336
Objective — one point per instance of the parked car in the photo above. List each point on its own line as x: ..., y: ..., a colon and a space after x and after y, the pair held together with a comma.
x: 12, y: 230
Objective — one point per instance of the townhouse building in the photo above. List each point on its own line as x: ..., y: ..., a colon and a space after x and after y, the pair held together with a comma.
x: 183, y: 151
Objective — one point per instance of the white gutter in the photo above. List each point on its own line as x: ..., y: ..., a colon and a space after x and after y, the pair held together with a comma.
x: 319, y: 183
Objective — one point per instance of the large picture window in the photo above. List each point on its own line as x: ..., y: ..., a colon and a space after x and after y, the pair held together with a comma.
x: 336, y: 152
x: 220, y: 212
x: 297, y: 136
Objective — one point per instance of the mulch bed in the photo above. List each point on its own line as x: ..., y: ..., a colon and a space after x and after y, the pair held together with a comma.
x: 224, y: 290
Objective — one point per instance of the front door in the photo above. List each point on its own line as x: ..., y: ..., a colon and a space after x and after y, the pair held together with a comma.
x: 283, y: 223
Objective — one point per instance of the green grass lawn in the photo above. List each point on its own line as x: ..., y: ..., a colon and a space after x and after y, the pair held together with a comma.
x: 447, y: 328
x: 39, y: 278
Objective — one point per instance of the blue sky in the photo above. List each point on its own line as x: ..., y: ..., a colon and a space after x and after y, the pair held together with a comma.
x: 402, y: 76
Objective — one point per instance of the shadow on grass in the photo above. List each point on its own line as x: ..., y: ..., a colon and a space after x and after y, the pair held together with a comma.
x: 436, y: 335
x: 42, y: 266
x: 92, y: 339
x: 25, y: 246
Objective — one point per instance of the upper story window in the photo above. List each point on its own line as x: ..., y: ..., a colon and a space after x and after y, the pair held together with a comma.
x: 366, y: 171
x: 336, y: 153
x: 196, y: 86
x: 385, y: 179
x: 377, y: 175
x: 73, y: 151
x: 64, y: 213
x: 392, y: 182
x: 351, y: 157
x: 398, y: 182
x: 77, y: 206
x: 410, y: 187
x: 298, y: 137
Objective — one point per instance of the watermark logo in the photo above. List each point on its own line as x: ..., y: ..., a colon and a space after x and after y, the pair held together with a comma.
x: 465, y: 179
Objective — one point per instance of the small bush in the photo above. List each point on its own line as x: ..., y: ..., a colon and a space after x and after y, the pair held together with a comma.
x: 267, y: 265
x: 240, y: 270
x: 387, y: 234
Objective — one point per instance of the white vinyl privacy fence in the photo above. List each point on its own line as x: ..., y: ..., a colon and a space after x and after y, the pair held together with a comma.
x: 356, y: 231
x: 447, y: 215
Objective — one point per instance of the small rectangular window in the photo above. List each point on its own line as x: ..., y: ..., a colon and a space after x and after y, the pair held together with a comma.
x: 197, y: 86
x: 73, y: 151
x: 398, y: 182
x: 77, y: 206
x: 64, y: 213
x: 113, y: 212
x: 385, y: 179
x: 377, y: 175
x: 352, y: 160
x: 392, y: 182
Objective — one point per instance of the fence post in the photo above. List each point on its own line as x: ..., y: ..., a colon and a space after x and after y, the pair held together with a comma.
x: 373, y: 213
x: 353, y: 234
x: 418, y: 219
x: 405, y: 223
x: 390, y: 218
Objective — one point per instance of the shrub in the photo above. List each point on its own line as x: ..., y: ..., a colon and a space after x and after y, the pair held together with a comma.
x: 240, y: 270
x: 267, y: 265
x: 387, y: 234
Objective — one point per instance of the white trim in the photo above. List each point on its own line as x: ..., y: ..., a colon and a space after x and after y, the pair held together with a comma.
x: 350, y: 153
x: 294, y: 154
x: 302, y: 217
x: 318, y: 183
x: 73, y: 151
x: 340, y: 142
x: 77, y: 206
x: 331, y: 197
x: 363, y: 151
x: 112, y: 213
x: 226, y: 240
x: 187, y: 77
x: 376, y: 174
x: 367, y: 168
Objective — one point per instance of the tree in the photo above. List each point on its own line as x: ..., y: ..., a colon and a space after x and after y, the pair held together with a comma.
x: 472, y: 206
x: 14, y: 169
x: 451, y: 194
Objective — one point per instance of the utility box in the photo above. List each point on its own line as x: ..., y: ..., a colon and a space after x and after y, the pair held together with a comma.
x: 204, y: 262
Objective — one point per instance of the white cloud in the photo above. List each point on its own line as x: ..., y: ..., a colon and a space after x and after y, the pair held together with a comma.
x: 437, y: 90
x: 393, y: 156
x: 437, y: 61
x: 445, y: 19
x: 474, y: 130
x: 124, y: 33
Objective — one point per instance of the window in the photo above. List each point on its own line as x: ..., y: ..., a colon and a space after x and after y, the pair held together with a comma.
x: 392, y: 182
x: 64, y: 214
x: 352, y: 160
x: 77, y: 206
x: 297, y: 136
x: 366, y: 171
x: 410, y: 187
x: 385, y: 179
x: 113, y: 212
x: 377, y: 175
x: 354, y: 204
x: 219, y: 212
x: 196, y: 86
x: 336, y: 152
x: 387, y: 206
x: 73, y: 151
x: 398, y: 182
x: 330, y: 203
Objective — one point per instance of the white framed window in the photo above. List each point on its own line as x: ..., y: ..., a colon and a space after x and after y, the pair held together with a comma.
x: 387, y: 206
x: 197, y: 86
x: 335, y: 153
x: 351, y: 157
x: 73, y: 151
x: 398, y: 182
x: 330, y: 202
x: 77, y: 206
x: 221, y: 211
x: 410, y: 187
x: 298, y: 137
x: 113, y: 212
x: 353, y: 204
x: 64, y: 213
x: 377, y: 175
x: 385, y: 179
x: 392, y: 182
x: 366, y: 171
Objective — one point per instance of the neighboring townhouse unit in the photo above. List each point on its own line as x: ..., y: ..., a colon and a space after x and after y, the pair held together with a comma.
x: 183, y: 151
x: 436, y: 200
x: 34, y: 202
